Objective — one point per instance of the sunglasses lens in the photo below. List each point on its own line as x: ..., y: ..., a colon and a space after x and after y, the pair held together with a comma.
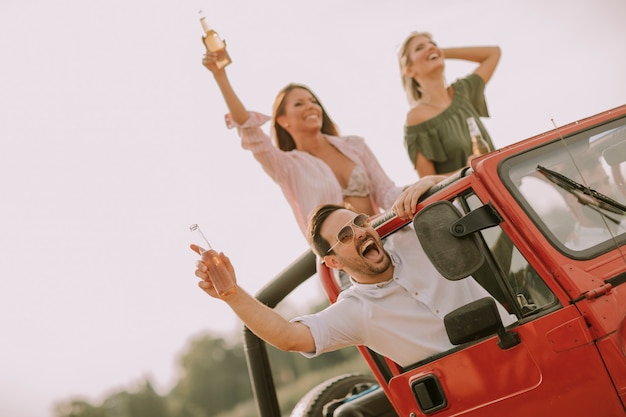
x: 345, y: 235
x: 362, y: 220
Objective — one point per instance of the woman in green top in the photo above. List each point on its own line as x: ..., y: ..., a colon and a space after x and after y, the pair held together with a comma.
x: 436, y: 133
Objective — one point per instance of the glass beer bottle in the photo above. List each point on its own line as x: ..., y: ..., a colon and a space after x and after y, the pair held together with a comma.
x: 479, y: 144
x: 215, y: 44
x: 220, y: 276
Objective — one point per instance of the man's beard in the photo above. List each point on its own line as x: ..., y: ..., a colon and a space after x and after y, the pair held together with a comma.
x: 362, y: 267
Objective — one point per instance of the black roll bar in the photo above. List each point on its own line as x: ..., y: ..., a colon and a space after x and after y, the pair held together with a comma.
x: 255, y: 349
x: 303, y: 268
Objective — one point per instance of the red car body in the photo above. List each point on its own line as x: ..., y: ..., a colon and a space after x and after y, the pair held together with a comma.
x: 571, y: 357
x: 556, y: 203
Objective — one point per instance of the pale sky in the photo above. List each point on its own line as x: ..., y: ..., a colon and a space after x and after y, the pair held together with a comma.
x: 113, y: 143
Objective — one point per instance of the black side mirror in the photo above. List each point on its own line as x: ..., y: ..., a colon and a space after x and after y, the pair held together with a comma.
x: 476, y: 320
x: 454, y: 257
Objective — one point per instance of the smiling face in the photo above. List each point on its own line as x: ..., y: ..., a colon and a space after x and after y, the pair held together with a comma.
x: 283, y: 137
x: 300, y: 111
x: 364, y: 257
x: 422, y: 56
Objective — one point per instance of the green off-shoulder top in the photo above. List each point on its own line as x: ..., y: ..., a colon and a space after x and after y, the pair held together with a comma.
x: 445, y: 138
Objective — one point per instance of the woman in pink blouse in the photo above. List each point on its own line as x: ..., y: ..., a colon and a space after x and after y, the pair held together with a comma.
x: 310, y: 162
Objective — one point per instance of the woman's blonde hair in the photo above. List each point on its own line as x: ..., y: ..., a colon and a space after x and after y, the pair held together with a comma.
x: 283, y: 139
x: 411, y: 87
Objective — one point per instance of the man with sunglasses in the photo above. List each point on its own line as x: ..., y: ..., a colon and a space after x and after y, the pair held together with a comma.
x: 396, y: 302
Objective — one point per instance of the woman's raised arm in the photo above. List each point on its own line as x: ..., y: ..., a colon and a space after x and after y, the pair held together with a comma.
x: 236, y: 108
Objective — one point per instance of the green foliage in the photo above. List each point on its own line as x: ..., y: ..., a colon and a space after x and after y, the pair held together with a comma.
x: 214, y: 381
x: 77, y: 408
x: 214, y: 377
x: 144, y: 402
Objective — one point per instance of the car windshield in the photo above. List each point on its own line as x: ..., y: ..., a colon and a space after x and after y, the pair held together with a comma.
x: 574, y: 189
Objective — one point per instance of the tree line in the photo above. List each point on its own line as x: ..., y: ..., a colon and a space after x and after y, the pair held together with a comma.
x: 213, y: 381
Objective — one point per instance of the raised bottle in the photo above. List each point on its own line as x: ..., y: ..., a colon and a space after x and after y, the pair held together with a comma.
x: 215, y: 44
x: 221, y: 278
x: 479, y: 144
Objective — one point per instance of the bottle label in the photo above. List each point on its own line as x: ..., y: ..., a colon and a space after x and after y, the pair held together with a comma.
x: 213, y: 41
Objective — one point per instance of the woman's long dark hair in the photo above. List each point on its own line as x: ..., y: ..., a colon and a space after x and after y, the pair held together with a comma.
x: 283, y: 139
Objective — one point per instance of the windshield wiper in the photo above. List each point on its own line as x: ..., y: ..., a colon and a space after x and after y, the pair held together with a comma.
x: 585, y: 195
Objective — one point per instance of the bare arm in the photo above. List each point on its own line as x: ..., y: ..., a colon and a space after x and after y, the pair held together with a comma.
x: 260, y: 319
x: 269, y: 325
x: 486, y: 56
x: 405, y: 205
x: 236, y: 108
x: 424, y: 166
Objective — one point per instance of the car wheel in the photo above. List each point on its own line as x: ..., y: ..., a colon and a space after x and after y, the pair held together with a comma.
x: 331, y: 391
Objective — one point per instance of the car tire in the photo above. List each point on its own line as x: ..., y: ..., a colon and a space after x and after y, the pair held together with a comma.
x: 337, y: 388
